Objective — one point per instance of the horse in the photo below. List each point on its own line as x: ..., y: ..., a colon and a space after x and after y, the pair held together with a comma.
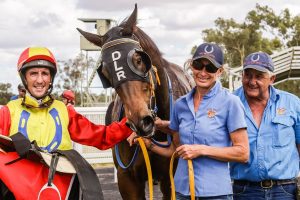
x: 144, y: 81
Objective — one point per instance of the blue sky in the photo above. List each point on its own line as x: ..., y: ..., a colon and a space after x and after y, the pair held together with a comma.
x: 174, y: 25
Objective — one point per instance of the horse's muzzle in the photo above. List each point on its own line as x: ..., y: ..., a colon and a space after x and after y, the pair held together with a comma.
x: 144, y: 128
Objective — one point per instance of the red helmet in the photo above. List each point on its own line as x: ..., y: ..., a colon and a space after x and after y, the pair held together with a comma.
x: 37, y: 57
x: 68, y: 94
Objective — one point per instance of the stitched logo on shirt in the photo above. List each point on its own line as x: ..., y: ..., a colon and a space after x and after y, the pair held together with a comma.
x: 211, y: 113
x: 281, y: 111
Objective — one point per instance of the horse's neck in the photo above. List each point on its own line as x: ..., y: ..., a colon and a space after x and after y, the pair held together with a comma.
x: 149, y: 46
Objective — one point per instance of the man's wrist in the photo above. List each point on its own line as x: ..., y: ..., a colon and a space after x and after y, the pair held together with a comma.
x: 151, y: 146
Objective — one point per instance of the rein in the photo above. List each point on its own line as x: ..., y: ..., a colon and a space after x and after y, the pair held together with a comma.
x: 169, y: 139
x: 117, y: 152
x: 146, y: 158
x: 154, y: 114
x: 191, y: 178
x: 154, y: 80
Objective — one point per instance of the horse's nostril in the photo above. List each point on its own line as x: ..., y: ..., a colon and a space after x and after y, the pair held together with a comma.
x: 147, y: 125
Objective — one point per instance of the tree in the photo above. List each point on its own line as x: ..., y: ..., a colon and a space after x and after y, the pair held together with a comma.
x: 71, y: 73
x: 5, y: 93
x: 262, y: 30
x: 241, y: 39
x: 291, y: 86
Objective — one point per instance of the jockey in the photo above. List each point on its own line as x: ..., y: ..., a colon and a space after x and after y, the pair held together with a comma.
x: 48, y: 122
x: 68, y: 97
x: 21, y: 91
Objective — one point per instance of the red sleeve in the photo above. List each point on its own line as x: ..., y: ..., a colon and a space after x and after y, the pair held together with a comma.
x: 4, y: 121
x: 103, y: 137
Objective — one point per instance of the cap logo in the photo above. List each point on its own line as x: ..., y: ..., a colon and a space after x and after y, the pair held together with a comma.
x: 206, y: 49
x: 255, y: 59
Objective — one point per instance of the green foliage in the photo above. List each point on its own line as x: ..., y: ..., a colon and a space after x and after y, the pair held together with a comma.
x: 292, y: 86
x: 262, y: 30
x: 5, y: 93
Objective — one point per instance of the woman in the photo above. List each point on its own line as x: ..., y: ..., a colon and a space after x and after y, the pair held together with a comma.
x: 208, y: 126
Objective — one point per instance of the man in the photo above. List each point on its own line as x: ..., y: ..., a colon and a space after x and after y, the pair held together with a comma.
x: 273, y: 126
x: 21, y: 91
x: 49, y: 123
x: 68, y: 97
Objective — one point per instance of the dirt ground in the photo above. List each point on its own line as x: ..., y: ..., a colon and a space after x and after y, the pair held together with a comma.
x: 110, y: 188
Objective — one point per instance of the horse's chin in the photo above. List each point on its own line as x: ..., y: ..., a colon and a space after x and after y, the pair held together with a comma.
x: 142, y: 130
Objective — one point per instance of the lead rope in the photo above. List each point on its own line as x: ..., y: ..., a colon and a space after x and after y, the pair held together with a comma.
x: 148, y: 166
x: 191, y: 178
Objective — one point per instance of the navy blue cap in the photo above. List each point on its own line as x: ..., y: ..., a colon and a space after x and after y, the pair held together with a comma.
x: 260, y: 61
x: 210, y: 51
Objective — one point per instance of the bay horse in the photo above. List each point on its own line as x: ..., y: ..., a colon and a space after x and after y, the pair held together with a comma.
x: 137, y: 80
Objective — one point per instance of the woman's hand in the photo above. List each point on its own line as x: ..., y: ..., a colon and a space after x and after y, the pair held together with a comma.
x: 162, y: 125
x: 188, y: 151
x: 158, y: 123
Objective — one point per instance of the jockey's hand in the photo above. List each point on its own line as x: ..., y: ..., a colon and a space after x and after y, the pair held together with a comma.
x: 131, y: 139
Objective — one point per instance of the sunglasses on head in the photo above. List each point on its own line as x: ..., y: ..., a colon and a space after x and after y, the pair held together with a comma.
x: 210, y: 68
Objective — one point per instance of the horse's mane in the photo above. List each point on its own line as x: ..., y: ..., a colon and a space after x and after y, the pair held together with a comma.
x: 149, y: 46
x: 175, y: 72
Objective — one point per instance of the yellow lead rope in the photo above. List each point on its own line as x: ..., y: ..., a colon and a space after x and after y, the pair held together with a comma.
x: 148, y: 166
x: 191, y: 178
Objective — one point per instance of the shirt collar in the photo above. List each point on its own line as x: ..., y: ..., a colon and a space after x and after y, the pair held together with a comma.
x: 274, y: 95
x: 31, y: 102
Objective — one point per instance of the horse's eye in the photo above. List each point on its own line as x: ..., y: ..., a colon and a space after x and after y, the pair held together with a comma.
x: 138, y: 62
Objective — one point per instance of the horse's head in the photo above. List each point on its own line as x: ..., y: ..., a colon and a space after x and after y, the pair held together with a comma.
x: 127, y: 68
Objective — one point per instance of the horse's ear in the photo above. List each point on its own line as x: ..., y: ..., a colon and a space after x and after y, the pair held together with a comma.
x: 93, y: 38
x: 131, y: 22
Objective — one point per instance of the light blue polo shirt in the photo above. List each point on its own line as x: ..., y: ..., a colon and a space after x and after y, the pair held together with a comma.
x: 219, y: 114
x: 273, y: 151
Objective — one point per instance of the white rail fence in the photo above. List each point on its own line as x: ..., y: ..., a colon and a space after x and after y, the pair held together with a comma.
x: 92, y: 154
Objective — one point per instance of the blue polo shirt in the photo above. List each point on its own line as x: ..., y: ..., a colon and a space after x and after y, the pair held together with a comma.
x: 273, y: 151
x: 219, y: 114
